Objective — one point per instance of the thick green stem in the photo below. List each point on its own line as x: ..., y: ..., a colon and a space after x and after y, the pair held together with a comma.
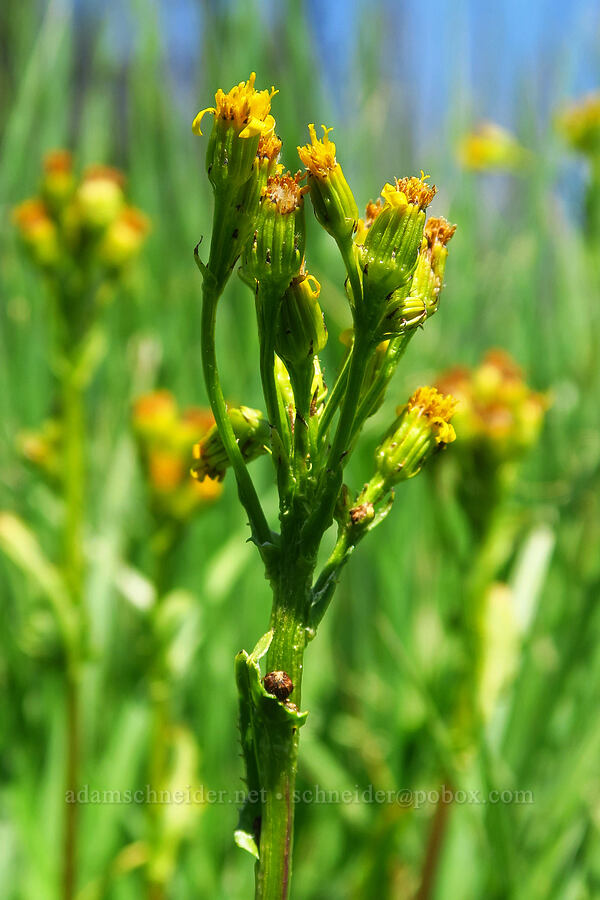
x: 286, y: 653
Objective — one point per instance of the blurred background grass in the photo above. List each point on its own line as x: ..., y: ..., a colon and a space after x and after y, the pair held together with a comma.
x: 120, y: 83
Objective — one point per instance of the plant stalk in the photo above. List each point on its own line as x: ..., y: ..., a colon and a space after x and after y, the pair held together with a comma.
x: 73, y: 418
x: 286, y: 653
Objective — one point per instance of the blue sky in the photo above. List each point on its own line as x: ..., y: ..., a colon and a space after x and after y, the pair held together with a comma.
x: 487, y: 53
x: 485, y: 57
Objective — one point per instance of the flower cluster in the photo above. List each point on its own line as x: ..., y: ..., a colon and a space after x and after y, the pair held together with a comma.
x: 395, y: 261
x: 165, y: 437
x: 496, y: 409
x: 80, y: 222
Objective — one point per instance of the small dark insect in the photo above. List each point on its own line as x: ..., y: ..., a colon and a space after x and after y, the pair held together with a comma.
x: 279, y: 684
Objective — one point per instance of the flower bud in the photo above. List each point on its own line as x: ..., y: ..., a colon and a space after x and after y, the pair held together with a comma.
x: 333, y: 202
x: 422, y: 427
x: 123, y: 239
x: 404, y: 312
x: 301, y: 331
x: 245, y: 209
x: 58, y: 182
x: 100, y: 197
x: 241, y: 116
x: 38, y: 232
x: 391, y: 243
x: 252, y: 434
x: 274, y: 254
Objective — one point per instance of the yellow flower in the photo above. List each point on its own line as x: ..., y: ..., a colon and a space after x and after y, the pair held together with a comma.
x: 243, y: 107
x: 100, y: 196
x: 421, y: 429
x: 269, y: 147
x: 124, y: 238
x: 58, y: 180
x: 319, y: 155
x: 406, y: 311
x: 166, y: 438
x: 411, y: 190
x: 332, y: 199
x: 438, y: 409
x: 490, y: 148
x: 38, y: 231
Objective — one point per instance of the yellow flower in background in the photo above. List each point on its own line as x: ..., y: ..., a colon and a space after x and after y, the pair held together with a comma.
x: 100, y: 196
x: 166, y: 437
x: 490, y: 148
x: 124, y: 237
x: 579, y: 123
x: 154, y: 413
x: 58, y: 181
x: 496, y: 408
x: 243, y: 108
x: 38, y: 231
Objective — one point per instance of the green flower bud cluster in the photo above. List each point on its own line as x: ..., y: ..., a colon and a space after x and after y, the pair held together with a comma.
x: 405, y: 311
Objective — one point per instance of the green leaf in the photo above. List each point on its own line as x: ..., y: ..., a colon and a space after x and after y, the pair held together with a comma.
x: 21, y: 545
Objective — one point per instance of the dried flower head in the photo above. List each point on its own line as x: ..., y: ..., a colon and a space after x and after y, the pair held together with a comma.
x: 285, y: 192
